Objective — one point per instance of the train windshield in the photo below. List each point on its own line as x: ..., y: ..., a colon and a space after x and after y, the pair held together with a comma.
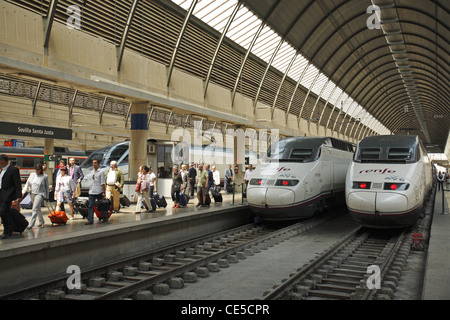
x: 94, y: 156
x: 106, y: 155
x: 295, y: 150
x: 386, y: 154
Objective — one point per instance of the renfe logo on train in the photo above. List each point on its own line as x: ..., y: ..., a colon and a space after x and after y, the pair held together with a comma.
x: 381, y: 171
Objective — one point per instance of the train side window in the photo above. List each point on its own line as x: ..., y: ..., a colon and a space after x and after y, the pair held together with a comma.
x: 28, y: 162
x: 118, y: 152
x: 301, y: 154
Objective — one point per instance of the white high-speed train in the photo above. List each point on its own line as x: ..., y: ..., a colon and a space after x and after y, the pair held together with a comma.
x: 388, y: 181
x: 305, y: 176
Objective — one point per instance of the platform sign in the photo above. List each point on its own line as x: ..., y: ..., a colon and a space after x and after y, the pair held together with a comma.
x: 31, y: 130
x: 50, y: 157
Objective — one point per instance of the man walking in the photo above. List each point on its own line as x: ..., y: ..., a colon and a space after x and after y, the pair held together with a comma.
x: 96, y: 192
x: 192, y: 174
x: 201, y: 186
x: 10, y: 190
x: 114, y: 183
x: 228, y: 179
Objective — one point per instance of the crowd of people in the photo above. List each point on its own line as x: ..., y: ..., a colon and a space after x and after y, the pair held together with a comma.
x: 105, y: 184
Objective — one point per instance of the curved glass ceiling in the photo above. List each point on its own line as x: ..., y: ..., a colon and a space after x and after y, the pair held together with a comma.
x: 243, y: 29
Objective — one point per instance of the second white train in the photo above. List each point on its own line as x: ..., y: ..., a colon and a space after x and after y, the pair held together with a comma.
x: 388, y: 181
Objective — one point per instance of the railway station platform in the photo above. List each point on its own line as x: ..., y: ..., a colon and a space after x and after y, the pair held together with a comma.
x: 125, y: 215
x: 45, y: 253
x: 437, y: 273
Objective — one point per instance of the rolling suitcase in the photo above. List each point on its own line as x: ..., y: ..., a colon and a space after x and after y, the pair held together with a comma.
x: 103, y: 205
x: 218, y: 197
x: 183, y: 200
x: 160, y: 200
x: 81, y: 204
x: 57, y: 217
x: 26, y: 203
x: 19, y: 221
x: 124, y: 201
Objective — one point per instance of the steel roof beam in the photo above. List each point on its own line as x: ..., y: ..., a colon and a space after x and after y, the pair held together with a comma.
x: 121, y: 48
x: 48, y: 21
x: 219, y: 44
x: 178, y: 43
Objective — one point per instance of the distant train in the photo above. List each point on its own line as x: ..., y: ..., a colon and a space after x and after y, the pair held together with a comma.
x: 114, y: 152
x: 27, y: 158
x: 388, y: 181
x: 305, y: 176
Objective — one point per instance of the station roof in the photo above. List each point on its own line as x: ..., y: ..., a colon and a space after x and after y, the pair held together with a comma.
x: 398, y: 72
x: 390, y: 58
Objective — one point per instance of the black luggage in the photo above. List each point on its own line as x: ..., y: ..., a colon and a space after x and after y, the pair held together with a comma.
x: 230, y: 188
x: 103, y: 206
x: 218, y: 197
x: 124, y: 201
x: 184, y: 200
x: 20, y: 223
x: 81, y: 204
x: 160, y: 200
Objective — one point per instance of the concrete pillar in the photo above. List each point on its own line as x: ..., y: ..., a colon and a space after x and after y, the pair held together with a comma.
x: 138, y: 145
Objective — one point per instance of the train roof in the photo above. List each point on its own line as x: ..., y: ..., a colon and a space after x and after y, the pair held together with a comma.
x: 316, y: 142
x: 390, y: 141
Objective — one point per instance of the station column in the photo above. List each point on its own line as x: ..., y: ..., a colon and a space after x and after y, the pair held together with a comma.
x: 49, y: 149
x: 138, y: 144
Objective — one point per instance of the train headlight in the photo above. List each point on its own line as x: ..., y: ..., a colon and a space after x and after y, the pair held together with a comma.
x: 360, y: 185
x: 286, y: 183
x: 257, y: 182
x: 396, y: 186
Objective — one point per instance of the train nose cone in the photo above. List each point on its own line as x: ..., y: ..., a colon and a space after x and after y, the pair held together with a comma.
x: 391, y: 202
x: 256, y: 196
x: 362, y: 201
x: 269, y: 197
x: 280, y: 197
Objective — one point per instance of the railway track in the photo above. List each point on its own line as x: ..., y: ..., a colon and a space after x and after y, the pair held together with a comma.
x: 172, y: 267
x: 364, y: 265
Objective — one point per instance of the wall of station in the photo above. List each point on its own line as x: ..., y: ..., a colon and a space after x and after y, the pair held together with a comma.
x: 90, y: 63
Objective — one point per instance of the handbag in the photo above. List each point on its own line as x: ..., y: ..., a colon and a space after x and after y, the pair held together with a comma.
x: 77, y: 191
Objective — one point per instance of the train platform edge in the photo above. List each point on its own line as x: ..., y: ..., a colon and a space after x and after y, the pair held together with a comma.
x: 437, y: 273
